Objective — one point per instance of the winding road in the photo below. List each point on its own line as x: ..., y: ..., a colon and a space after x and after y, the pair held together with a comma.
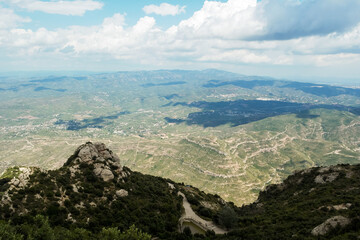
x: 203, y: 224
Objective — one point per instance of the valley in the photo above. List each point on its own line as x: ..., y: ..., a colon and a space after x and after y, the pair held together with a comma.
x: 231, y: 136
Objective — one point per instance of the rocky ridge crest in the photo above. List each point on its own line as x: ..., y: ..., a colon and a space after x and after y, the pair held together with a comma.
x: 98, y: 155
x: 91, y: 191
x: 104, y: 164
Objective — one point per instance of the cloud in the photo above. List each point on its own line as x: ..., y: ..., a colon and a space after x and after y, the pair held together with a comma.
x: 293, y: 19
x: 8, y: 19
x: 240, y: 55
x: 231, y: 20
x: 164, y: 9
x: 221, y: 34
x: 74, y: 8
x: 271, y: 19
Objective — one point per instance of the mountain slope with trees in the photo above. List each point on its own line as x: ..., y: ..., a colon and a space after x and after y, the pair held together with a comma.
x: 93, y: 197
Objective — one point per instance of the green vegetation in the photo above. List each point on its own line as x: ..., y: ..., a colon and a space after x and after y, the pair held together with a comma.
x: 11, y: 172
x: 39, y: 228
x: 295, y: 207
x: 78, y: 204
x: 93, y: 204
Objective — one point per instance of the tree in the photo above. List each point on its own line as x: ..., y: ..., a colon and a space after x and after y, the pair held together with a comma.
x: 131, y: 234
x: 228, y: 217
x: 8, y: 232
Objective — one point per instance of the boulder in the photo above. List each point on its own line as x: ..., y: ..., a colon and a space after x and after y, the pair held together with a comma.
x: 122, y: 193
x: 107, y: 175
x: 330, y: 224
x: 88, y: 152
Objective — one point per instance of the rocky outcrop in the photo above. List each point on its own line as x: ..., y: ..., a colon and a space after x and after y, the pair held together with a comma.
x: 324, y: 178
x: 93, y: 152
x: 330, y: 224
x: 344, y: 206
x: 97, y: 154
x: 22, y: 179
x: 105, y: 164
x: 17, y: 183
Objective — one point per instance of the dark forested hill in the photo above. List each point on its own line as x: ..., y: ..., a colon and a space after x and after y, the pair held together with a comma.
x: 93, y: 197
x: 92, y: 192
x: 316, y: 203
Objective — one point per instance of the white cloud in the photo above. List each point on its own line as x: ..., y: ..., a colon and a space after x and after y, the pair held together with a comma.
x: 335, y: 59
x: 8, y: 19
x: 271, y: 19
x: 164, y: 9
x: 219, y: 34
x: 240, y: 55
x: 75, y: 8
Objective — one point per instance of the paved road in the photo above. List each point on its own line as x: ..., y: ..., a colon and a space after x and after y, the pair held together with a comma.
x: 189, y: 213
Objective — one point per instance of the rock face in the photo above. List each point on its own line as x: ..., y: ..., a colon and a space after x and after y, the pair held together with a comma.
x: 17, y: 183
x: 330, y: 224
x: 23, y: 177
x: 103, y: 160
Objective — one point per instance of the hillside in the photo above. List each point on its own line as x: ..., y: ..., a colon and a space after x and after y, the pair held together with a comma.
x: 92, y: 191
x: 316, y: 203
x: 93, y: 195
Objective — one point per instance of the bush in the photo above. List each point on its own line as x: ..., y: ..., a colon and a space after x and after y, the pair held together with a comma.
x: 8, y: 232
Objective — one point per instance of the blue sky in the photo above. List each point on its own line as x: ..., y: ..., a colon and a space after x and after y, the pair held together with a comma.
x: 282, y: 38
x: 132, y: 9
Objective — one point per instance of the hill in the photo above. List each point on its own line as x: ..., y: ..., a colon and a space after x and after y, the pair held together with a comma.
x: 92, y: 196
x: 315, y: 203
x: 92, y: 192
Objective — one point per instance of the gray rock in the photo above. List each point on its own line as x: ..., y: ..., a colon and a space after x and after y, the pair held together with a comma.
x: 122, y: 193
x: 323, y: 169
x: 15, y: 182
x: 321, y: 179
x: 107, y: 175
x: 88, y: 152
x: 6, y: 199
x: 124, y: 174
x: 73, y: 170
x: 100, y: 156
x: 98, y: 171
x: 330, y: 224
x: 75, y: 188
x: 100, y: 146
x: 22, y: 179
x: 342, y: 206
x: 116, y: 164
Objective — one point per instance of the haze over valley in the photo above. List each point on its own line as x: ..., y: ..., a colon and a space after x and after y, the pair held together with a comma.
x: 225, y: 133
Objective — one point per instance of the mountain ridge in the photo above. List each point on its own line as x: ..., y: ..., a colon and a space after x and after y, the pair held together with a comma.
x: 93, y: 192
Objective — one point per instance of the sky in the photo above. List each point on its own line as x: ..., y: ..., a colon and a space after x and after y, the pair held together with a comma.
x: 293, y: 39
